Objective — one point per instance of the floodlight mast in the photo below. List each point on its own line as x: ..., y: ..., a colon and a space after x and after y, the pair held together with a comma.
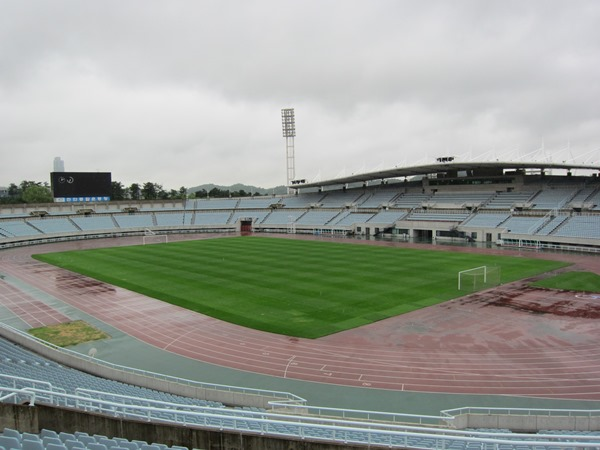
x: 289, y: 133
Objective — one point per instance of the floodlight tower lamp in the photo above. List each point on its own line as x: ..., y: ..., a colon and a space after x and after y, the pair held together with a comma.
x: 288, y: 123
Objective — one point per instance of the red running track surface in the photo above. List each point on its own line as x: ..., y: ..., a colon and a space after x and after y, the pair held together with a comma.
x: 512, y: 340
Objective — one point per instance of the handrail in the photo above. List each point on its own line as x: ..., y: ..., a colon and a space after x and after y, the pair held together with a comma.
x: 303, y: 427
x: 452, y: 413
x: 379, y: 416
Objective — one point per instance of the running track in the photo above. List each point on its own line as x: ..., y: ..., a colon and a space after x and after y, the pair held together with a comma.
x: 513, y: 340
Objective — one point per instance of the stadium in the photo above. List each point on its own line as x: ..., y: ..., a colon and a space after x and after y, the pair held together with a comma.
x: 505, y: 365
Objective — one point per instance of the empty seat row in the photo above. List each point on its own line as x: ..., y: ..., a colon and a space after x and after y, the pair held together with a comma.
x: 16, y: 361
x: 12, y: 439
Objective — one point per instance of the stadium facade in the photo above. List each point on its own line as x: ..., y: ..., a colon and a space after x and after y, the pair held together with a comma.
x: 541, y: 205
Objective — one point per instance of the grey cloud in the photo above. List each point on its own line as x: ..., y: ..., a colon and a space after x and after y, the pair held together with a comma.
x: 371, y: 81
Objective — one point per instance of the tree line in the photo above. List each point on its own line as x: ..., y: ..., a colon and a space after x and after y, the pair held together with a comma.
x: 37, y: 192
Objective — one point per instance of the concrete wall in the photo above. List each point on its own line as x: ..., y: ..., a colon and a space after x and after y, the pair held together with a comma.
x: 527, y: 423
x: 33, y: 419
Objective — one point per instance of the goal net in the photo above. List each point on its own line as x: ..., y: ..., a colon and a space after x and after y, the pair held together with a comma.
x: 150, y: 237
x: 478, y: 278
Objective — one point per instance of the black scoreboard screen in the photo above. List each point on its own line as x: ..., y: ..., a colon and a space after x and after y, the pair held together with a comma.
x: 81, y: 186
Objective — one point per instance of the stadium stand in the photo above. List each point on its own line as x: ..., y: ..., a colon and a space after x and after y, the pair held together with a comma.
x: 212, y: 218
x: 522, y: 225
x: 134, y: 220
x: 459, y: 199
x: 437, y: 216
x: 486, y: 220
x: 582, y: 197
x: 506, y: 211
x: 341, y: 199
x: 552, y: 198
x: 580, y: 227
x: 256, y: 215
x: 54, y: 225
x: 52, y: 440
x: 350, y: 218
x: 50, y: 384
x: 551, y: 225
x: 282, y: 217
x: 316, y: 218
x: 381, y: 197
x: 387, y: 217
x: 18, y: 228
x: 173, y: 219
x: 258, y: 202
x: 218, y: 203
x: 411, y: 200
x: 301, y: 201
x: 508, y: 200
x: 94, y: 222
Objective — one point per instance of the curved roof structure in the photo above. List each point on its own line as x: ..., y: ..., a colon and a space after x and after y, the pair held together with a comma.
x: 443, y: 165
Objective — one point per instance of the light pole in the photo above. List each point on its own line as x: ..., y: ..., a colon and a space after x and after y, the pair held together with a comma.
x: 289, y: 133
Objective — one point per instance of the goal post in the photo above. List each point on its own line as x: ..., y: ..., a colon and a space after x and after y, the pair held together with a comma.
x: 150, y: 237
x: 478, y: 278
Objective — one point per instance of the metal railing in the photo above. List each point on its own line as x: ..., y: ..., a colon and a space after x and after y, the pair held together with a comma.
x: 305, y: 427
x: 153, y: 375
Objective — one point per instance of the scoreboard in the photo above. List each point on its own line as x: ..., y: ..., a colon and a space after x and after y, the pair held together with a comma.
x: 81, y: 186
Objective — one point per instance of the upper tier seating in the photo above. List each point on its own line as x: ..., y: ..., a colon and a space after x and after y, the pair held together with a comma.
x: 211, y: 218
x: 460, y: 199
x: 282, y: 217
x: 387, y: 217
x: 302, y: 201
x: 257, y: 202
x: 507, y: 200
x: 173, y: 219
x: 340, y: 199
x: 486, y: 220
x: 95, y: 222
x: 436, y: 216
x: 316, y: 218
x: 217, y: 203
x: 552, y: 198
x: 134, y: 220
x: 411, y: 200
x: 584, y: 196
x: 257, y: 216
x: 58, y: 225
x: 381, y: 197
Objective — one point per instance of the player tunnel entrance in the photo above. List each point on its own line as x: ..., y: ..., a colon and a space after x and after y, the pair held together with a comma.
x: 423, y: 235
x: 246, y: 225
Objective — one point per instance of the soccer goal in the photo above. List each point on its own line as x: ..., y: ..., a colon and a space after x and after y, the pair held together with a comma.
x: 478, y: 278
x: 150, y: 237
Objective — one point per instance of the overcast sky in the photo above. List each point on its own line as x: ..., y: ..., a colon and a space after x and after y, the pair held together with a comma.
x: 186, y: 92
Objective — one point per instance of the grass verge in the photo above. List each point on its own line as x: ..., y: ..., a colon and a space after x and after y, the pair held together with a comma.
x: 70, y: 333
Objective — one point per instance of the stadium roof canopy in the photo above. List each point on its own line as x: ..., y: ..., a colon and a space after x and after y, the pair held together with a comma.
x: 444, y: 165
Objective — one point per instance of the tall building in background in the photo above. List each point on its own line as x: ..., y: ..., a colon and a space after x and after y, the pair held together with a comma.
x: 59, y: 164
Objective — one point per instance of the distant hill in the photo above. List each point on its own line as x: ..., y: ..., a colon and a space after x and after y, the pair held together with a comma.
x: 278, y: 190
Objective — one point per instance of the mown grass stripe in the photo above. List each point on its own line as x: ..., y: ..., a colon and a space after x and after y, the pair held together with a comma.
x: 293, y: 287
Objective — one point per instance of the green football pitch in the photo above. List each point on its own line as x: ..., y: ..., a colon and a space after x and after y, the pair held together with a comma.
x: 293, y: 287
